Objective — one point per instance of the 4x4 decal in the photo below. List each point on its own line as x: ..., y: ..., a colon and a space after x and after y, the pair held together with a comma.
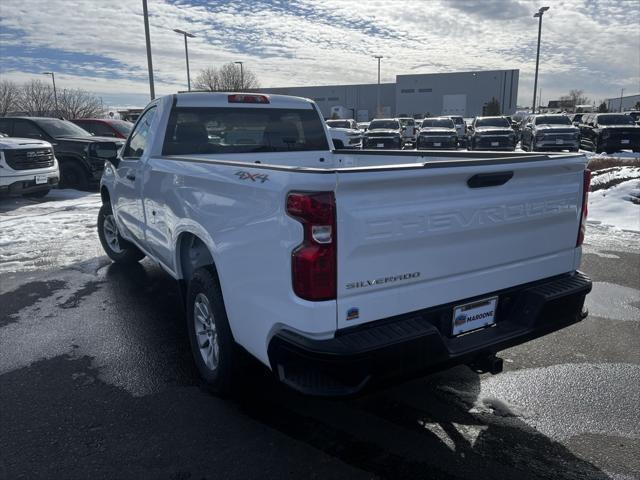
x: 254, y: 177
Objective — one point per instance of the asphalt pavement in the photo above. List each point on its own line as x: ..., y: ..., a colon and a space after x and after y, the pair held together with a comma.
x: 97, y: 381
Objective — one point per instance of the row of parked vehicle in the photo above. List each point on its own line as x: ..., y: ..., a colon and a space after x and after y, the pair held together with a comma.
x: 39, y: 153
x: 599, y: 132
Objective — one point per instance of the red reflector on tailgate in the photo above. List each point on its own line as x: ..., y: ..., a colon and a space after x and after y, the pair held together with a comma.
x: 241, y: 98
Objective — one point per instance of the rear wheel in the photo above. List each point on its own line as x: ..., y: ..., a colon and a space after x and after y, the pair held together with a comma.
x: 73, y: 175
x: 214, y: 351
x: 117, y: 248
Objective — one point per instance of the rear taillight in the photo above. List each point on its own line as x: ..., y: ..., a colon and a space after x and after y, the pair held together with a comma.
x: 586, y: 184
x: 242, y: 98
x: 313, y: 262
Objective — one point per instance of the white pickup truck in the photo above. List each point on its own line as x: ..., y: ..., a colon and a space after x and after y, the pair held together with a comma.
x: 338, y: 268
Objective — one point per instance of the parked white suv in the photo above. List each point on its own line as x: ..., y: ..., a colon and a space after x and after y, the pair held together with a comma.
x: 337, y: 268
x: 27, y: 167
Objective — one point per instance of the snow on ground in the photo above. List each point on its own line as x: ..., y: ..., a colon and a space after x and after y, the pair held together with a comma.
x: 59, y: 229
x: 624, y: 154
x: 618, y: 206
x: 611, y: 176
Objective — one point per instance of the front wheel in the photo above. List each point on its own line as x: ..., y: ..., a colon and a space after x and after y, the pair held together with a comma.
x: 214, y: 350
x: 73, y: 175
x: 117, y: 248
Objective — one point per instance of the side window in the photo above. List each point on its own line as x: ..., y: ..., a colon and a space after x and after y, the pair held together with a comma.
x: 26, y: 129
x: 138, y: 139
x: 5, y: 126
x: 98, y: 129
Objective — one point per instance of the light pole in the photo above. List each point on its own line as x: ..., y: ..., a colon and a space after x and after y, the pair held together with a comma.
x: 147, y: 38
x: 186, y: 52
x: 621, y: 94
x: 55, y: 93
x: 378, y: 94
x: 241, y: 75
x: 537, y: 15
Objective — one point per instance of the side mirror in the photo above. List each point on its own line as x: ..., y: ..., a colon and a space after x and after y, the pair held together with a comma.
x: 528, y: 125
x: 104, y: 150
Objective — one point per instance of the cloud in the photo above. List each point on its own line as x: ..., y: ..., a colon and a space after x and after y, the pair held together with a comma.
x: 100, y: 45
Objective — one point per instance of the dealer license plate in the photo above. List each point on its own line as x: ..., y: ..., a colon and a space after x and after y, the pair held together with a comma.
x: 559, y: 141
x: 41, y: 179
x: 474, y: 315
x: 624, y: 142
x: 380, y: 145
x: 495, y: 144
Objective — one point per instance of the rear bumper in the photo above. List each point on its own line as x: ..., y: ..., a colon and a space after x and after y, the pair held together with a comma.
x: 421, y: 342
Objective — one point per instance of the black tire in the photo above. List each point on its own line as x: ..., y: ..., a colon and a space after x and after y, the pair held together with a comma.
x: 222, y: 377
x: 73, y: 175
x: 37, y: 194
x: 116, y: 247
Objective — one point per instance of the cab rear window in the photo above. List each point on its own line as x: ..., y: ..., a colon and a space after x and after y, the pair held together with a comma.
x: 192, y: 131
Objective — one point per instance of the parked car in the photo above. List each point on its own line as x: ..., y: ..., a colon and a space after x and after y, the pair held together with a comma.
x: 345, y: 138
x: 409, y: 130
x: 609, y: 132
x: 635, y: 114
x: 103, y: 127
x: 345, y: 133
x: 339, y: 269
x: 384, y: 133
x: 363, y: 126
x: 437, y: 133
x: 491, y: 133
x: 27, y: 167
x: 81, y: 155
x: 461, y: 129
x: 549, y: 132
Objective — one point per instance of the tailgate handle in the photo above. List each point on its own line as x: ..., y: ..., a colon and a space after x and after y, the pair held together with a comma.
x: 489, y: 179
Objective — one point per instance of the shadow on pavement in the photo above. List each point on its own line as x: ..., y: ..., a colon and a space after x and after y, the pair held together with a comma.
x: 435, y: 427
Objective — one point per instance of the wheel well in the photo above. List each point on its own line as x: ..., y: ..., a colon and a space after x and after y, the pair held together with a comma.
x: 104, y: 194
x: 193, y: 255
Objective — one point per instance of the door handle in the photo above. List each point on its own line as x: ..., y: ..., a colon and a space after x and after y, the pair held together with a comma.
x: 131, y: 176
x: 489, y: 179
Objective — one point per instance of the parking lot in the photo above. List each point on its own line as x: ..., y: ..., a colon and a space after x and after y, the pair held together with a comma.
x: 98, y: 381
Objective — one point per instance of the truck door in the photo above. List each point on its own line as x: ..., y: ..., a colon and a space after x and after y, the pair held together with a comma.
x: 128, y: 184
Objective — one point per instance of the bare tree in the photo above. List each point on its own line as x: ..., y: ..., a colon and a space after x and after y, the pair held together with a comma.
x: 575, y: 97
x: 36, y: 99
x: 207, y: 80
x: 9, y: 94
x: 228, y: 78
x: 79, y: 104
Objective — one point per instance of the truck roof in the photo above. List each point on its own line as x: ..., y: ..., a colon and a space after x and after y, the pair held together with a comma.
x: 221, y: 99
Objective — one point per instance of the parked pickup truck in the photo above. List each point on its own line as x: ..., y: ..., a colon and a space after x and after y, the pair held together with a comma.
x: 80, y: 154
x: 337, y: 268
x: 27, y: 167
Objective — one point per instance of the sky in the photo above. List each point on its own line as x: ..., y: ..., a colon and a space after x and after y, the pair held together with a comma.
x: 100, y: 47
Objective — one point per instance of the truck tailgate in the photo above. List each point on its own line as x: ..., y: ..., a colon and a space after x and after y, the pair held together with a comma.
x: 413, y: 238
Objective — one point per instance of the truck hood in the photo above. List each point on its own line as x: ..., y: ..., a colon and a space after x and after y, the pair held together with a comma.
x: 383, y: 131
x: 17, y: 142
x: 437, y: 131
x: 91, y: 139
x: 557, y: 128
x: 495, y: 130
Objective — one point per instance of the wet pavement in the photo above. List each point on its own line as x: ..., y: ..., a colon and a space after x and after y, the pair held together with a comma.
x: 97, y: 381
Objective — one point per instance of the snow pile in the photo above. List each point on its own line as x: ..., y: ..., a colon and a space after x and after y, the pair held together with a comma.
x: 618, y: 206
x: 609, y: 177
x: 624, y: 154
x: 57, y: 230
